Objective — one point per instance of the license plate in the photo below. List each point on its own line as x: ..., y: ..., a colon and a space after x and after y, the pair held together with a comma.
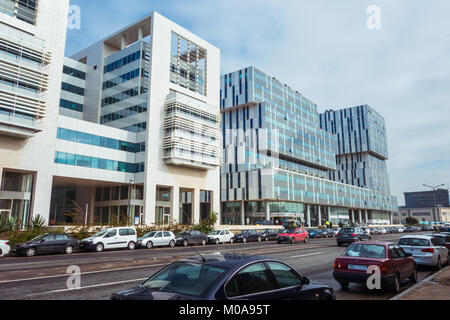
x: 357, y: 267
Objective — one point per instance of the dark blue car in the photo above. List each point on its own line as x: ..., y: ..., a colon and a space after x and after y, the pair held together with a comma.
x: 227, y: 277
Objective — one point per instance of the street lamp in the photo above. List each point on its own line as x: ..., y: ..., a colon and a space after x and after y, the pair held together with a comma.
x: 434, y: 199
x: 129, y: 202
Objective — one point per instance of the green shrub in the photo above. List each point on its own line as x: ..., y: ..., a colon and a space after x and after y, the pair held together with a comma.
x: 21, y: 237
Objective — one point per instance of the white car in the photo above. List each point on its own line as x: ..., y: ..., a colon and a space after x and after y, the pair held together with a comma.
x: 157, y: 239
x: 113, y: 238
x: 221, y: 236
x: 425, y: 250
x: 383, y: 230
x: 4, y: 248
x: 401, y: 229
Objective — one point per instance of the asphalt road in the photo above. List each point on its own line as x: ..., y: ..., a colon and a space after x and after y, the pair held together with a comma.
x: 45, y: 277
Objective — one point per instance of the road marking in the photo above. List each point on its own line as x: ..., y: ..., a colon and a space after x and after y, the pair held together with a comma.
x: 84, y: 273
x: 87, y: 287
x: 306, y: 255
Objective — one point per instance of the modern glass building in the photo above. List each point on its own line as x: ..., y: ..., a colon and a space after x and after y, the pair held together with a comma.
x: 279, y: 161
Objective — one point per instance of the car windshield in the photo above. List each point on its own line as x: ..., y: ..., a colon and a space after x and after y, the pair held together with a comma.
x: 313, y: 230
x: 414, y: 242
x: 100, y: 233
x: 39, y: 237
x: 289, y: 231
x: 185, y: 278
x: 366, y: 251
x: 215, y: 233
x: 184, y: 233
x: 150, y: 234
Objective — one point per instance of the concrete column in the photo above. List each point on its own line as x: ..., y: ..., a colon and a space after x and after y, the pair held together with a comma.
x: 196, y: 205
x: 267, y: 210
x: 242, y: 213
x: 140, y: 34
x: 367, y: 216
x: 353, y: 216
x: 308, y: 215
x: 122, y: 44
x: 360, y: 215
x: 319, y: 215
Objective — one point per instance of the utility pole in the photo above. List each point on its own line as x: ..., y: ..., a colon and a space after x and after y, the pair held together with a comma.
x: 129, y: 203
x: 434, y: 199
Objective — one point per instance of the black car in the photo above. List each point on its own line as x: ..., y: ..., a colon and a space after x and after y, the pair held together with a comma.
x: 265, y: 223
x: 48, y: 243
x: 350, y: 235
x: 249, y: 236
x: 270, y: 234
x: 409, y: 229
x: 192, y: 237
x: 227, y: 277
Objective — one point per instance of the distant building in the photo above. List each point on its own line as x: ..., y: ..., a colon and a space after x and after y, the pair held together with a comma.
x: 429, y: 206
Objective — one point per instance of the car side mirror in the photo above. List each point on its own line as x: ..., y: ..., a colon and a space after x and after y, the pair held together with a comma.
x: 42, y: 240
x: 305, y: 280
x: 409, y: 255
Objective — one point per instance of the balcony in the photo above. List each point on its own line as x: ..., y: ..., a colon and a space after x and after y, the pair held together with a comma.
x: 18, y: 127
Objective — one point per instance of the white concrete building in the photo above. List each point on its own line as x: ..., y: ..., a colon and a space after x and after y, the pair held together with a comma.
x: 32, y: 43
x: 134, y: 134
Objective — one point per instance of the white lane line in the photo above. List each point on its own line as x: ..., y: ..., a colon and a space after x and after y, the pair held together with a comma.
x: 87, y: 287
x: 306, y: 255
x: 84, y: 273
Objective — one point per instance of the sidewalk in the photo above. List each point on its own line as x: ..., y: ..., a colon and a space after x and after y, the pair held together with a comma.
x: 435, y: 287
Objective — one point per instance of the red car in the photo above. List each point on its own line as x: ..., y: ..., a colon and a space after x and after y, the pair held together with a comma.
x: 293, y: 235
x: 394, y: 264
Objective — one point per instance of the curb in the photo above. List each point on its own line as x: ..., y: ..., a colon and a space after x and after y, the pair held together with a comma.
x: 417, y: 285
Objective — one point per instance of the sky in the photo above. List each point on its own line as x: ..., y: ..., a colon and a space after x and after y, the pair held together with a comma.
x: 325, y: 50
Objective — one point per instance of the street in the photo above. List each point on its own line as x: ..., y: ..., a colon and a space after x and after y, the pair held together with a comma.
x: 45, y: 277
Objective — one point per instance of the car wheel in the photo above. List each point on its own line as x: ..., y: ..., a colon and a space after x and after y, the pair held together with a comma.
x: 306, y: 240
x: 292, y: 240
x: 339, y: 244
x: 244, y: 240
x: 439, y: 264
x: 344, y: 284
x: 1, y: 252
x: 149, y: 245
x: 99, y: 247
x: 172, y: 243
x: 266, y: 239
x: 131, y: 245
x: 259, y: 239
x: 204, y: 242
x: 396, y: 284
x: 413, y: 276
x: 231, y: 240
x: 185, y: 243
x: 217, y: 241
x: 31, y: 252
x: 69, y: 250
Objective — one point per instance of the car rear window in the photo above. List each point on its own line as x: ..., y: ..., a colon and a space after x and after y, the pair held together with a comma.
x: 347, y: 230
x: 185, y: 278
x: 366, y: 251
x: 414, y: 242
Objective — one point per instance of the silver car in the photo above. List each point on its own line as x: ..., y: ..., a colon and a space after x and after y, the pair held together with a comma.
x: 426, y: 250
x: 157, y: 239
x: 4, y: 248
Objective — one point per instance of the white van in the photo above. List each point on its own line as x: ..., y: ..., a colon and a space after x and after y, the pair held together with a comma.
x: 112, y: 238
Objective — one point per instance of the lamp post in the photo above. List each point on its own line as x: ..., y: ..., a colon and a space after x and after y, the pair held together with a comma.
x: 434, y: 199
x: 129, y: 202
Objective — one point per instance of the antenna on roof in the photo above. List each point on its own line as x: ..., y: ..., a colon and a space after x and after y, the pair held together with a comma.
x: 203, y: 258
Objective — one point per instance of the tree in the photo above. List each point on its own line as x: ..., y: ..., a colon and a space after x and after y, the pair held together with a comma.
x: 411, y: 220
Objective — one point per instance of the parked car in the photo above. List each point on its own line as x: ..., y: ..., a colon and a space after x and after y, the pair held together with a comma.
x: 111, y: 238
x: 409, y: 229
x: 426, y: 250
x: 444, y: 237
x: 335, y: 231
x: 265, y: 223
x: 47, y: 243
x: 293, y: 235
x: 270, y: 234
x: 401, y: 229
x: 383, y: 230
x: 221, y: 236
x: 328, y: 233
x: 249, y: 236
x: 227, y: 276
x: 350, y: 235
x: 315, y: 233
x: 4, y: 248
x: 394, y: 263
x: 193, y: 237
x: 374, y: 231
x: 157, y: 239
x: 444, y: 229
